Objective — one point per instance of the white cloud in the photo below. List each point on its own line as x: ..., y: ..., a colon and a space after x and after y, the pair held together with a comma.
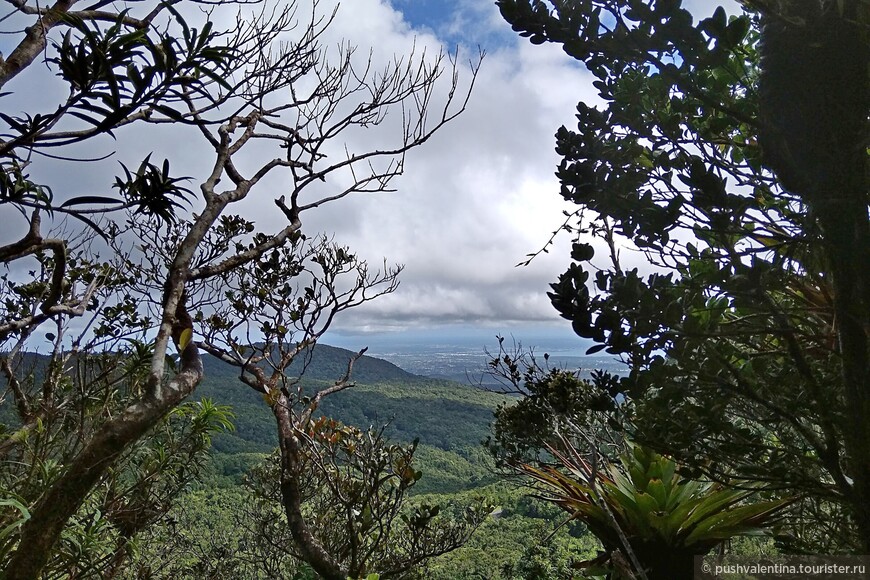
x: 481, y: 194
x: 475, y: 199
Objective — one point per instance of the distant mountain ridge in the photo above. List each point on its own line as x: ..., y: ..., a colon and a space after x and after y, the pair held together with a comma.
x: 329, y: 363
x: 443, y: 413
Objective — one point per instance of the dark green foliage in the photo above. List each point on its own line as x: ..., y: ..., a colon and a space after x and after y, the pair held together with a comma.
x: 804, y: 134
x: 640, y: 507
x: 647, y: 515
x: 745, y: 353
x: 523, y: 428
x: 817, y: 143
x: 15, y: 185
x: 151, y: 190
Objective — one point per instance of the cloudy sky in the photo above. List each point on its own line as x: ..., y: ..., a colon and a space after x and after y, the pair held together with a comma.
x: 482, y: 194
x: 474, y: 200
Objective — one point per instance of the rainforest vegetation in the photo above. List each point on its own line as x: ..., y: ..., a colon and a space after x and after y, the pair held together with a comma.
x: 167, y: 410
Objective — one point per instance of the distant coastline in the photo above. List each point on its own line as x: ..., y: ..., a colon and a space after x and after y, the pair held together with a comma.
x: 469, y: 365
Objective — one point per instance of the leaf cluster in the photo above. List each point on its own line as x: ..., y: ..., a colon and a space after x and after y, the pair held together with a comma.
x: 730, y: 343
x: 644, y: 509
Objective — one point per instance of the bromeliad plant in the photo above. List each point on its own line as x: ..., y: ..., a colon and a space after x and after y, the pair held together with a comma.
x: 647, y: 516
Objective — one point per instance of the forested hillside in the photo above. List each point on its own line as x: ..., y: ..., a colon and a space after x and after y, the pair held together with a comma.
x: 451, y: 420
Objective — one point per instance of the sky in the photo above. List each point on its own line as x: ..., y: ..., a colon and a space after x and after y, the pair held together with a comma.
x: 474, y: 200
x: 482, y: 194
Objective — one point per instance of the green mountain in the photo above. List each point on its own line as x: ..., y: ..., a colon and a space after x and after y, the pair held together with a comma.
x: 449, y: 418
x: 328, y: 363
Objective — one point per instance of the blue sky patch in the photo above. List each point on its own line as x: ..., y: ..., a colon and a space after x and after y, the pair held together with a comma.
x: 457, y: 22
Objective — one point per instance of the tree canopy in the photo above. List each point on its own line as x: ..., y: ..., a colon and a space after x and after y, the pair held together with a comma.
x: 731, y: 154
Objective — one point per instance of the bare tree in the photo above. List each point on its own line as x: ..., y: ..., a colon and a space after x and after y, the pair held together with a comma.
x: 261, y: 110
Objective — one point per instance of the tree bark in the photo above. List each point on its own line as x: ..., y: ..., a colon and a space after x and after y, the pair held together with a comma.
x: 311, y: 550
x: 34, y: 42
x: 42, y: 531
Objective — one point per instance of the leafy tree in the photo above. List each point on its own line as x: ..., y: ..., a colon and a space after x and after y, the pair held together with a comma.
x: 650, y: 519
x: 731, y: 154
x: 135, y: 493
x: 147, y: 68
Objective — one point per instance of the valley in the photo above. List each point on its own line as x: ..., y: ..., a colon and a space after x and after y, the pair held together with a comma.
x: 450, y: 419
